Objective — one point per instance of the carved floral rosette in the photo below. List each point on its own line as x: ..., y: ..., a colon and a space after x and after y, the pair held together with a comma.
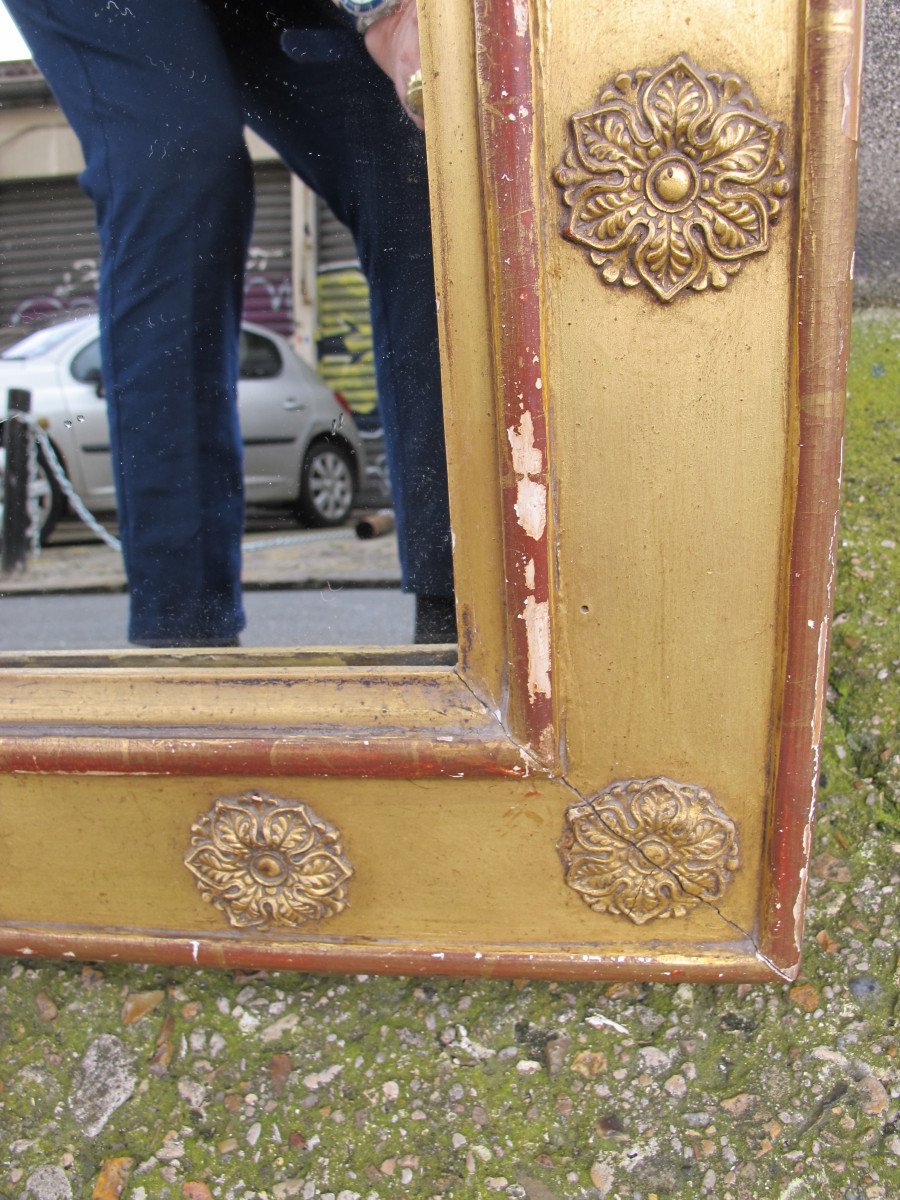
x: 673, y: 179
x: 263, y: 861
x: 647, y: 848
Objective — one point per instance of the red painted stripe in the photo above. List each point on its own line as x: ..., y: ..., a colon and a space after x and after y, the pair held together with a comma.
x: 823, y: 338
x: 469, y: 756
x: 235, y: 951
x: 504, y: 54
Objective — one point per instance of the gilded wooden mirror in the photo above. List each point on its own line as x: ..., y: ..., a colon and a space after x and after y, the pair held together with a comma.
x: 643, y: 220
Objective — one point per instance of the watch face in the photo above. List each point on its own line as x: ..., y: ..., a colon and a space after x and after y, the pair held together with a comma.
x: 361, y: 8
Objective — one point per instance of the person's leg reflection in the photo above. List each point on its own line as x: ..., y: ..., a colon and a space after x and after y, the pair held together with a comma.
x: 334, y: 118
x: 152, y: 97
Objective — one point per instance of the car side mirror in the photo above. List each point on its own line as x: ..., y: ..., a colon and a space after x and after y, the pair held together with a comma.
x: 95, y: 378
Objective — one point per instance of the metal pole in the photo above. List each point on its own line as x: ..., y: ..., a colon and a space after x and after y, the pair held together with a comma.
x: 15, y: 485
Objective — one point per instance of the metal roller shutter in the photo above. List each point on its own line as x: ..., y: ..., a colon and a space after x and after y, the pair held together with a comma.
x: 49, y: 253
x: 268, y: 291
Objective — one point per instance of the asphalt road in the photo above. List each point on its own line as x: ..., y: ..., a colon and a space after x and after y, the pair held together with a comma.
x: 340, y: 617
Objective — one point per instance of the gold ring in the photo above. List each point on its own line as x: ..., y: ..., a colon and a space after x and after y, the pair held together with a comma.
x: 414, y: 94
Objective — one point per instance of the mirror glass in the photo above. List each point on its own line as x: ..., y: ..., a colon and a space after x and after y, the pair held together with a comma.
x: 320, y: 562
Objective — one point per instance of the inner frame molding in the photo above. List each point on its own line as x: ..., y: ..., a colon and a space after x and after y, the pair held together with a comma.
x: 644, y: 497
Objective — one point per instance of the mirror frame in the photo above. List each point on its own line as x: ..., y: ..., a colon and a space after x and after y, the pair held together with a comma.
x: 456, y: 769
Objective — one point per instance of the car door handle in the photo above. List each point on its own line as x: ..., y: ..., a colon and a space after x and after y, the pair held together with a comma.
x: 294, y: 406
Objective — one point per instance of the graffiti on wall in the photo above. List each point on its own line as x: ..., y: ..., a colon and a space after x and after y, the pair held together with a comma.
x: 75, y: 294
x: 268, y: 294
x: 344, y: 339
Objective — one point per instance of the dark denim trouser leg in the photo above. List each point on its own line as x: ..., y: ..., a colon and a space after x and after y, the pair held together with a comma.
x: 334, y: 118
x: 152, y: 97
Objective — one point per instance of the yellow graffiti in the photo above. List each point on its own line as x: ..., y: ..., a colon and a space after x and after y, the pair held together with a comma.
x: 344, y: 337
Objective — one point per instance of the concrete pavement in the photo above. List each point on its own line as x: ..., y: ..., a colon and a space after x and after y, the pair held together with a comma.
x: 278, y: 555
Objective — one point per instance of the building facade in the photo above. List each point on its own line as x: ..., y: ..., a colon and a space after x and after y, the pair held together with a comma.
x: 303, y: 278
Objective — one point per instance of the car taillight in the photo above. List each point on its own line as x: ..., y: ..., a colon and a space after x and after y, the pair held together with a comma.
x: 343, y: 403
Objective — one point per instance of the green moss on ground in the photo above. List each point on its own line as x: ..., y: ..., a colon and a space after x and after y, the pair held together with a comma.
x: 271, y: 1086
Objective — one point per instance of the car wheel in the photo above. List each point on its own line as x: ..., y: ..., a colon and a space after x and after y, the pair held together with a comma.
x: 51, y: 502
x: 327, y: 485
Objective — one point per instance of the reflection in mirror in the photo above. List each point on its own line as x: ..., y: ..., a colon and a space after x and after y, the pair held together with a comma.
x: 328, y: 388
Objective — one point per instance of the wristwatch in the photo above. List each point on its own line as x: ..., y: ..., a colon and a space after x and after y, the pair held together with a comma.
x: 367, y: 12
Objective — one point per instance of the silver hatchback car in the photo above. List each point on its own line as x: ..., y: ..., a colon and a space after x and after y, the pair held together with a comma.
x: 301, y: 446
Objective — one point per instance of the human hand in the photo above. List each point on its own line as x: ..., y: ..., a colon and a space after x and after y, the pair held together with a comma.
x: 393, y: 42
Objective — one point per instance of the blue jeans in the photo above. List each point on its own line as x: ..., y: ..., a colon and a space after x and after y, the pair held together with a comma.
x: 158, y: 92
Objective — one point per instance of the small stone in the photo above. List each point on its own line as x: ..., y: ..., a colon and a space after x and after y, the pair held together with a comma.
x: 826, y: 942
x: 683, y: 996
x: 113, y: 1176
x: 589, y: 1063
x: 253, y: 1133
x: 172, y: 1148
x: 390, y: 1090
x: 555, y: 1051
x: 276, y: 1031
x: 623, y: 991
x: 805, y: 996
x: 138, y: 1004
x: 676, y: 1087
x: 195, y: 1191
x: 654, y: 1060
x: 279, y: 1068
x: 227, y: 1145
x: 863, y: 987
x: 47, y: 1183
x: 190, y: 1010
x: 287, y: 1188
x: 193, y: 1093
x: 248, y: 1022
x: 483, y: 1153
x: 318, y: 1078
x: 458, y: 1141
x: 737, y: 1105
x: 826, y: 1054
x: 496, y: 1183
x: 826, y: 866
x: 165, y: 1048
x: 104, y: 1081
x: 388, y: 1167
x: 874, y: 1095
x: 47, y: 1010
x: 602, y: 1177
x: 527, y: 1066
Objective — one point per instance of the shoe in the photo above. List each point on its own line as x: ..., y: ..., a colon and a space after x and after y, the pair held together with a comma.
x: 435, y: 620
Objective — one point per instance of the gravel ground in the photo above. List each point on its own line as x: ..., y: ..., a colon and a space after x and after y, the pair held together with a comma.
x: 149, y: 1083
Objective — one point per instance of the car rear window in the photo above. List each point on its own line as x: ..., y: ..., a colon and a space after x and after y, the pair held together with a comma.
x: 259, y: 357
x: 86, y: 363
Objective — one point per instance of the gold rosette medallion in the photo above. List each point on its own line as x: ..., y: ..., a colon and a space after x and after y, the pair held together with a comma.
x: 647, y: 848
x: 268, y: 862
x: 673, y: 179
